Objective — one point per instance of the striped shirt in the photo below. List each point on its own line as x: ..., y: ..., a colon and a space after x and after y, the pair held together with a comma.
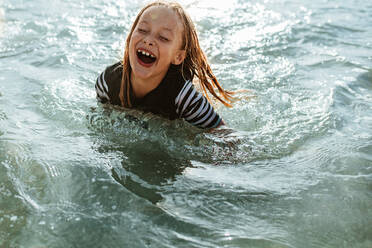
x: 174, y: 97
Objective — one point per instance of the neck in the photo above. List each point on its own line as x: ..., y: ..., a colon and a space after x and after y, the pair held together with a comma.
x: 142, y: 86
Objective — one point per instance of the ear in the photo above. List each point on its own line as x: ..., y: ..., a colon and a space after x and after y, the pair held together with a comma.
x: 180, y: 56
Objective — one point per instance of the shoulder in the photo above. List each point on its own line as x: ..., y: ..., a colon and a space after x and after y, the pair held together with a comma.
x: 108, y: 82
x: 112, y: 72
x: 186, y: 93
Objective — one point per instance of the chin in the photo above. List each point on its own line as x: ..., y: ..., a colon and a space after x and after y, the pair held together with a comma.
x: 141, y: 72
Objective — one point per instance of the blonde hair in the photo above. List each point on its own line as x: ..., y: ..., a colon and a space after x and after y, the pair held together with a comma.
x: 195, y: 62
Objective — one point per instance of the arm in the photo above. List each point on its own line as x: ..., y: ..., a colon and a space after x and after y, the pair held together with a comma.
x: 195, y: 108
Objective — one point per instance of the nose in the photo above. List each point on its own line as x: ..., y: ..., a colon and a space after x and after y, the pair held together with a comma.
x: 148, y: 42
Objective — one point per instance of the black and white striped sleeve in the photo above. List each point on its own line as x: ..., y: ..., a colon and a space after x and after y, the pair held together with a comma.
x: 195, y: 108
x: 102, y: 88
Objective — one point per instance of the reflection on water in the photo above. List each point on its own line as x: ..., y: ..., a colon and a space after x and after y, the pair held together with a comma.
x: 146, y: 169
x: 2, y: 21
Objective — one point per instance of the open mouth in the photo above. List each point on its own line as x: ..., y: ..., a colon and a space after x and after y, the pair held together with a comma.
x: 145, y: 58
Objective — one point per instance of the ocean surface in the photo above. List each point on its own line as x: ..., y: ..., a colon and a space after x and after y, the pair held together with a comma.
x: 292, y: 168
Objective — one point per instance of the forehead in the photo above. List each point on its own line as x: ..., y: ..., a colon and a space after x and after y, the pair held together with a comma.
x: 162, y: 15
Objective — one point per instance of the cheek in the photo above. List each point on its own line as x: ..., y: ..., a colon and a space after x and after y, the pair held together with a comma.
x: 134, y: 37
x: 132, y: 42
x: 132, y: 56
x: 166, y: 52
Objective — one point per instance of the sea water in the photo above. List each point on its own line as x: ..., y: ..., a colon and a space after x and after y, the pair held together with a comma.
x: 292, y: 167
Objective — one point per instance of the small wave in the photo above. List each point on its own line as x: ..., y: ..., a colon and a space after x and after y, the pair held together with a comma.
x: 2, y: 118
x: 232, y: 241
x: 2, y: 115
x: 14, y: 218
x: 352, y: 101
x: 65, y: 101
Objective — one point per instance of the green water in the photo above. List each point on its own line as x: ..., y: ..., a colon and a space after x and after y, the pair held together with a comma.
x: 292, y: 168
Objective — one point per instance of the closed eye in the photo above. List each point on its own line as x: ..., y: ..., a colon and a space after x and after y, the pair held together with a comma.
x: 143, y: 31
x: 163, y: 38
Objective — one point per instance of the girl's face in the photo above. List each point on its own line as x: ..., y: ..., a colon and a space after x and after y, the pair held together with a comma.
x: 156, y: 43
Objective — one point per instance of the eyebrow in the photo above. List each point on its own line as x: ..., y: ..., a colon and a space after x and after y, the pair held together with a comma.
x: 163, y: 28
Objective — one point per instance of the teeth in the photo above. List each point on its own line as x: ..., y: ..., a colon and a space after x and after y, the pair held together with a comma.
x: 145, y: 53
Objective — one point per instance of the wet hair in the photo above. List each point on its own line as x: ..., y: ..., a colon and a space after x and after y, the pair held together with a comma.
x: 195, y: 62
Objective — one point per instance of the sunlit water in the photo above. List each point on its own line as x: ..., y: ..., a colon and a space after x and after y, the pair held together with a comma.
x: 293, y: 167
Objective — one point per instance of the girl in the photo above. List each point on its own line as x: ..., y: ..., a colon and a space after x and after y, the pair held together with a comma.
x: 162, y: 55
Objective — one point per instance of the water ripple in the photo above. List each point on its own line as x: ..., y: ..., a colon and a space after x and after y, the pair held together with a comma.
x: 292, y: 167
